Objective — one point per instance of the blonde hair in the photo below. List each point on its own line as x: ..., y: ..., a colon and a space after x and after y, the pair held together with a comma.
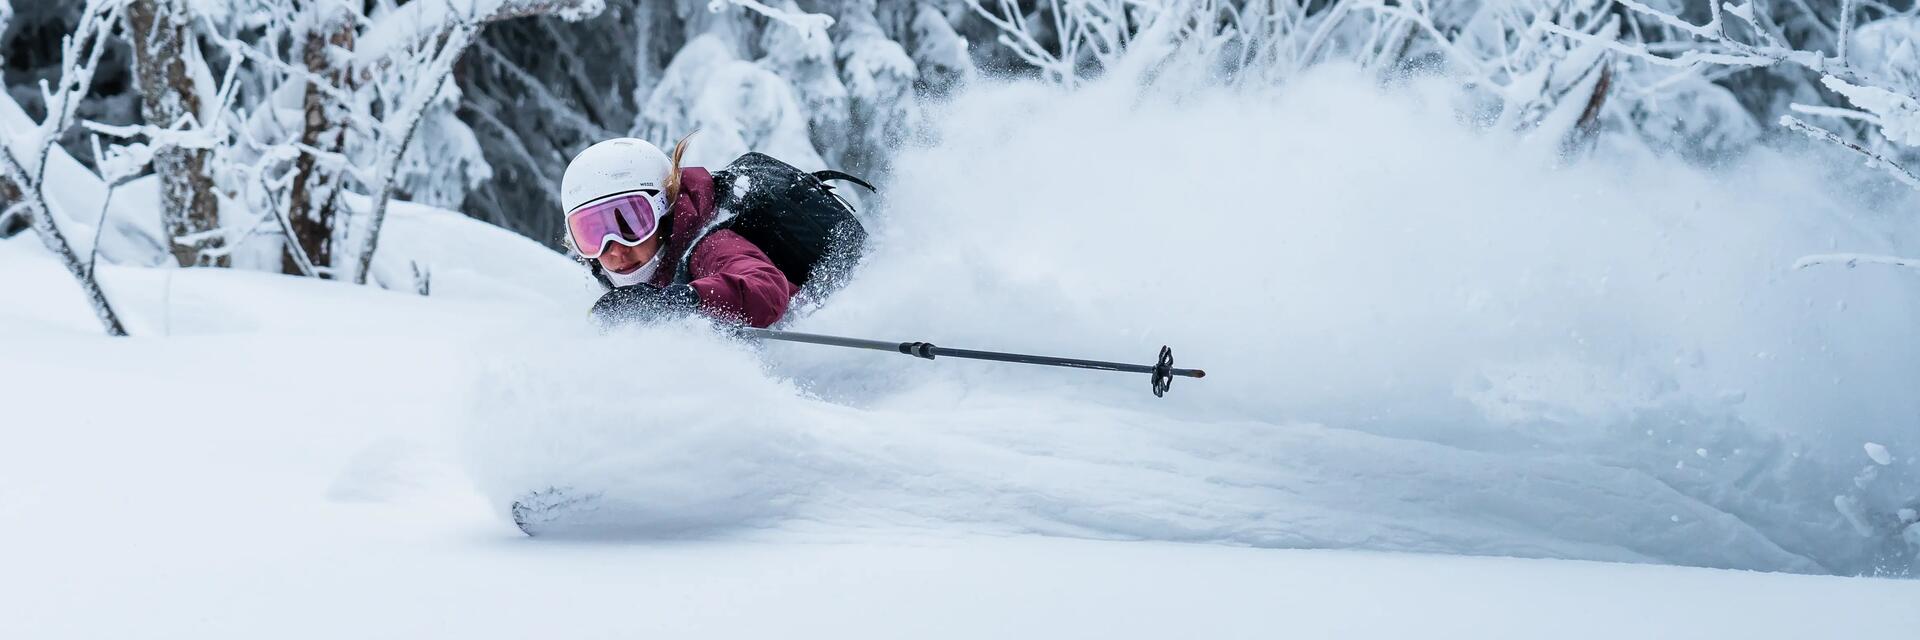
x: 673, y: 171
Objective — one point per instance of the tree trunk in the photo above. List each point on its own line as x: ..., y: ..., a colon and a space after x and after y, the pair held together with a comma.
x: 316, y: 187
x: 1587, y: 129
x: 163, y: 49
x: 10, y: 197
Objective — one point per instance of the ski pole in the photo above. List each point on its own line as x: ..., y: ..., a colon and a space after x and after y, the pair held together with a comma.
x: 1162, y: 371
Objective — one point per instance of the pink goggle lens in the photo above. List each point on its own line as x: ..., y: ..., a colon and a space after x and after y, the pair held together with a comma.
x: 627, y: 219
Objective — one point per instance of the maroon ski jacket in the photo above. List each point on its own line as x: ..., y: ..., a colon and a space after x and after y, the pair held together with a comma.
x: 735, y: 279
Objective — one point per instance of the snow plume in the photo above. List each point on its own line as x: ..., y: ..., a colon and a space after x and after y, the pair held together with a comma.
x: 1459, y: 289
x: 1421, y: 335
x: 656, y: 445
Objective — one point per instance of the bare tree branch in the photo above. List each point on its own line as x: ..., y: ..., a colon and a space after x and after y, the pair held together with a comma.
x: 27, y: 186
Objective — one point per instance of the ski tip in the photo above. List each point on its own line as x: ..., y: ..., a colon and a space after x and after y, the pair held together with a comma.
x: 522, y: 518
x: 554, y: 510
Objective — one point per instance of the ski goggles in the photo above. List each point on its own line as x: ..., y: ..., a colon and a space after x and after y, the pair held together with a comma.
x: 628, y: 218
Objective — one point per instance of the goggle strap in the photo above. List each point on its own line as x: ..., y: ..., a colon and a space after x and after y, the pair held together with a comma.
x: 649, y: 191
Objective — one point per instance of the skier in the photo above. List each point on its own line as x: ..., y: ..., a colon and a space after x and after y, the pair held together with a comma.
x: 653, y: 233
x: 641, y: 221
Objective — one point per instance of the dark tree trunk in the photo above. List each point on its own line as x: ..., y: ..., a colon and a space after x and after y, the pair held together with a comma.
x: 10, y: 196
x: 1587, y: 129
x: 316, y: 187
x: 163, y: 45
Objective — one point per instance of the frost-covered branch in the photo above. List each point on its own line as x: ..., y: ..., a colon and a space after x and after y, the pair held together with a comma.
x: 1851, y: 260
x: 1893, y: 112
x: 810, y: 25
x: 1897, y: 114
x: 239, y: 51
x: 1834, y: 112
x: 118, y: 166
x: 157, y: 137
x: 332, y: 102
x: 1017, y: 36
x: 1873, y: 160
x: 295, y: 251
x: 1439, y: 39
x: 1741, y: 53
x: 417, y: 24
x: 1689, y: 59
x: 402, y: 124
x: 406, y: 58
x: 1710, y: 31
x: 23, y: 180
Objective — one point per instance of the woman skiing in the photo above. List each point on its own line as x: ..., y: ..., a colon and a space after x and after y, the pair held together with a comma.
x: 633, y: 215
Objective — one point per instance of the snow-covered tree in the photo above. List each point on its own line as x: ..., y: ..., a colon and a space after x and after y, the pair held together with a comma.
x: 843, y: 83
x: 879, y: 76
x: 738, y: 71
x: 1780, y: 38
x: 533, y: 99
x: 736, y: 105
x: 940, y: 54
x: 318, y: 99
x: 803, y: 57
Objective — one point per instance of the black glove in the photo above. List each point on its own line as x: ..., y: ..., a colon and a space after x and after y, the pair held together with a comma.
x: 646, y: 304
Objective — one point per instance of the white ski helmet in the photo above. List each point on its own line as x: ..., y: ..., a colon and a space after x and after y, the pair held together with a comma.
x: 620, y: 165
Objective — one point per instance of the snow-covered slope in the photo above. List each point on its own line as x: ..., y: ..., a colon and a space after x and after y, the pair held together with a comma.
x: 293, y: 506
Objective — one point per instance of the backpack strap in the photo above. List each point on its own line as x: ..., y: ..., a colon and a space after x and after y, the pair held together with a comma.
x: 683, y: 272
x: 830, y: 174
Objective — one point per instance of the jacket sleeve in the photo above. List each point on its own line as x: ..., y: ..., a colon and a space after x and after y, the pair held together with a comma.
x: 737, y: 282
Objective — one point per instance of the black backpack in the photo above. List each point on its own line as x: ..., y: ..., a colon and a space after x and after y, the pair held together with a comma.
x: 793, y: 216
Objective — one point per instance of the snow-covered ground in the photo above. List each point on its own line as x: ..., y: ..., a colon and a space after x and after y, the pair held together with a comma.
x: 131, y: 515
x: 1457, y: 348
